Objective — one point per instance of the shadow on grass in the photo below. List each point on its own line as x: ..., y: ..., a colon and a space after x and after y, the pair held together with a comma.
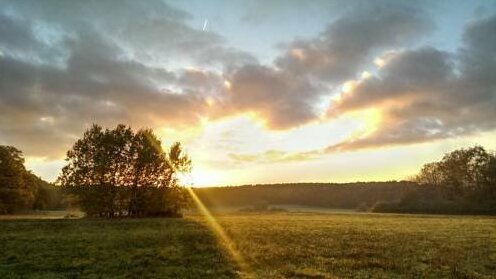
x: 125, y: 248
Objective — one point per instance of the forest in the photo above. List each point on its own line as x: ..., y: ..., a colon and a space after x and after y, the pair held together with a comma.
x: 463, y: 182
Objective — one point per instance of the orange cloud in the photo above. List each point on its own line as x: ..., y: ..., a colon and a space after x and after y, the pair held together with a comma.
x: 273, y: 156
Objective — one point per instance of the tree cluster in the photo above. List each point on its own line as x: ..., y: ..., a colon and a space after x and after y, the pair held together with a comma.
x: 463, y: 174
x: 464, y: 181
x: 20, y: 189
x: 119, y: 172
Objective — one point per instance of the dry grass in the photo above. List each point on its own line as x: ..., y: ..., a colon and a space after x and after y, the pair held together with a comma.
x: 365, y: 245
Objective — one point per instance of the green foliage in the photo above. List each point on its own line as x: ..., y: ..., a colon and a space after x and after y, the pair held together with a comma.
x: 47, y: 195
x: 116, y: 172
x: 283, y: 245
x: 21, y: 190
x: 15, y: 193
x: 463, y: 182
x: 462, y: 173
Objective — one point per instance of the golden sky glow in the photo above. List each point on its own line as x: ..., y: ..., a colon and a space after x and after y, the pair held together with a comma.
x: 270, y: 157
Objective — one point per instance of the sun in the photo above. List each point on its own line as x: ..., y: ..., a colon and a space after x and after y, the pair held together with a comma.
x: 200, y: 177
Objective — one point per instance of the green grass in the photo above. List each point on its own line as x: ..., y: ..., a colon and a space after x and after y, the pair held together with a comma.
x: 148, y: 248
x: 286, y: 245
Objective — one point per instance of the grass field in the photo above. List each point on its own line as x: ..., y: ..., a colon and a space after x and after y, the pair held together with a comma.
x: 285, y: 245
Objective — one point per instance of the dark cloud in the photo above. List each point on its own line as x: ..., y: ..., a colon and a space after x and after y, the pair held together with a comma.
x: 43, y: 106
x: 478, y: 57
x: 207, y: 82
x: 347, y: 44
x: 53, y: 104
x: 279, y: 98
x: 408, y: 74
x: 426, y: 94
x: 15, y: 35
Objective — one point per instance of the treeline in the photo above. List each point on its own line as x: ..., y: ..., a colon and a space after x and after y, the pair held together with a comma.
x: 120, y: 172
x: 21, y: 190
x: 329, y: 195
x: 463, y: 182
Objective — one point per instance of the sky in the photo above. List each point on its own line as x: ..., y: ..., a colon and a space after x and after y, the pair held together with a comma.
x: 256, y: 91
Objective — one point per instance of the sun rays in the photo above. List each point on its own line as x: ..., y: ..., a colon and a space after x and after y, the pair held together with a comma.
x: 221, y: 235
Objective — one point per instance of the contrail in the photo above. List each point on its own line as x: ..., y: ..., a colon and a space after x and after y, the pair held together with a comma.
x: 205, y: 24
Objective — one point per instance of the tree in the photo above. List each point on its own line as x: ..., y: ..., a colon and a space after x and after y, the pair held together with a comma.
x: 464, y: 181
x: 15, y: 193
x: 430, y: 174
x: 120, y: 172
x: 464, y: 171
x: 461, y: 172
x: 490, y: 172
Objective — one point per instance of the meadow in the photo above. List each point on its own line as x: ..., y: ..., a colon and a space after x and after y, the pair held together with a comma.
x: 278, y: 245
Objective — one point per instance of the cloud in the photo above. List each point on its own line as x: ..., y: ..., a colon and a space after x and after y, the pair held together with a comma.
x: 65, y: 65
x: 407, y: 74
x: 427, y: 94
x: 280, y: 99
x: 423, y: 94
x: 288, y: 95
x: 15, y: 36
x: 52, y: 105
x: 273, y: 156
x: 344, y: 47
x: 43, y: 106
x: 151, y: 31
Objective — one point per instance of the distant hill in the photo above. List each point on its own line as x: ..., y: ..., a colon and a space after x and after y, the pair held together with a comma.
x: 330, y: 195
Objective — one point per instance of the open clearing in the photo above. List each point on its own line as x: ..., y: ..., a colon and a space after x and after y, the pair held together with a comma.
x: 283, y: 245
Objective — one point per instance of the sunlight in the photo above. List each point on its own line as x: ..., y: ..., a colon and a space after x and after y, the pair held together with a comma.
x: 199, y: 177
x: 379, y: 62
x: 298, y: 53
x: 219, y: 233
x: 170, y: 135
x: 365, y: 75
x: 372, y: 118
x: 210, y: 101
x: 202, y: 177
x: 349, y: 86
